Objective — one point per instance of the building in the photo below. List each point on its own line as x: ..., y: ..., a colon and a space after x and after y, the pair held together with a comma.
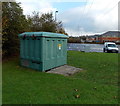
x: 110, y: 36
x: 93, y: 38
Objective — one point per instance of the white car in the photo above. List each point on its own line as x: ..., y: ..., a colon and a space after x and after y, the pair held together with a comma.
x: 110, y: 47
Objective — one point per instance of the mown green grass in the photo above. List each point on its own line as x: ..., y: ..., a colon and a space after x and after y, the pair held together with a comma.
x: 96, y: 84
x: 98, y: 67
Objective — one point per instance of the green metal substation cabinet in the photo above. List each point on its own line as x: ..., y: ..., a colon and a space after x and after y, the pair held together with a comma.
x: 43, y: 50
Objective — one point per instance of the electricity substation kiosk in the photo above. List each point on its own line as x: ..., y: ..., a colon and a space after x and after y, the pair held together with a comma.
x: 43, y: 50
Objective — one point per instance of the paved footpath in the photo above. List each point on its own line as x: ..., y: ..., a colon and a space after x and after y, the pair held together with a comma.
x: 65, y: 70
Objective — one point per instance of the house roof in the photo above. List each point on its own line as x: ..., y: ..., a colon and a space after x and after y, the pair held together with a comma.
x: 111, y: 33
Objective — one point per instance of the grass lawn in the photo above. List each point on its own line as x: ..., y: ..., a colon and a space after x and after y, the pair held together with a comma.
x: 96, y: 84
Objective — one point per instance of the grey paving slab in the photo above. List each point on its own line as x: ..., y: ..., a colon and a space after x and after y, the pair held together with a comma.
x: 65, y: 70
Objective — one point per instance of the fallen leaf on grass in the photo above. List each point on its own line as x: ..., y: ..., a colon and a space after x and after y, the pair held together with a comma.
x: 95, y: 88
x: 17, y: 66
x: 115, y: 97
x: 77, y: 96
x: 76, y: 90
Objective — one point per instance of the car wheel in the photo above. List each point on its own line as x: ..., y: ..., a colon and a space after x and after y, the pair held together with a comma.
x: 107, y: 51
x: 104, y: 50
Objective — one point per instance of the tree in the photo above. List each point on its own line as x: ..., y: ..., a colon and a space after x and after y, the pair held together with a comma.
x: 34, y: 22
x: 45, y: 22
x: 13, y: 23
x: 48, y: 23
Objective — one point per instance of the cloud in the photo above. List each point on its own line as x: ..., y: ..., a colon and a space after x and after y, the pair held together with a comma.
x: 98, y: 17
x: 41, y: 6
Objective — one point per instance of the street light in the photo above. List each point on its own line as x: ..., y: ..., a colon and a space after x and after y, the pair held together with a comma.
x: 55, y: 15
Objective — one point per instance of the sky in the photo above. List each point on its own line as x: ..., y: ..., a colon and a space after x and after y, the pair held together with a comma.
x: 79, y: 17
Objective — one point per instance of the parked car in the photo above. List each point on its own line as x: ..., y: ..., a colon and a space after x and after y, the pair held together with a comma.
x: 110, y: 47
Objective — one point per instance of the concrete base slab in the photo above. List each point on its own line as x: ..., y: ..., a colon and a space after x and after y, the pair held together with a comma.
x: 65, y: 70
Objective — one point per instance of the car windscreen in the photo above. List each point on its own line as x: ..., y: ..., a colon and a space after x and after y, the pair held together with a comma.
x: 111, y: 45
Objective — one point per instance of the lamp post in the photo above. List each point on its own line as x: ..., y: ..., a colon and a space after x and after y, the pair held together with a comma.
x: 55, y: 15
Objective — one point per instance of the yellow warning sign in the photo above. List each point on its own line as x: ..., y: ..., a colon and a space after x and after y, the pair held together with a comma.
x: 59, y: 46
